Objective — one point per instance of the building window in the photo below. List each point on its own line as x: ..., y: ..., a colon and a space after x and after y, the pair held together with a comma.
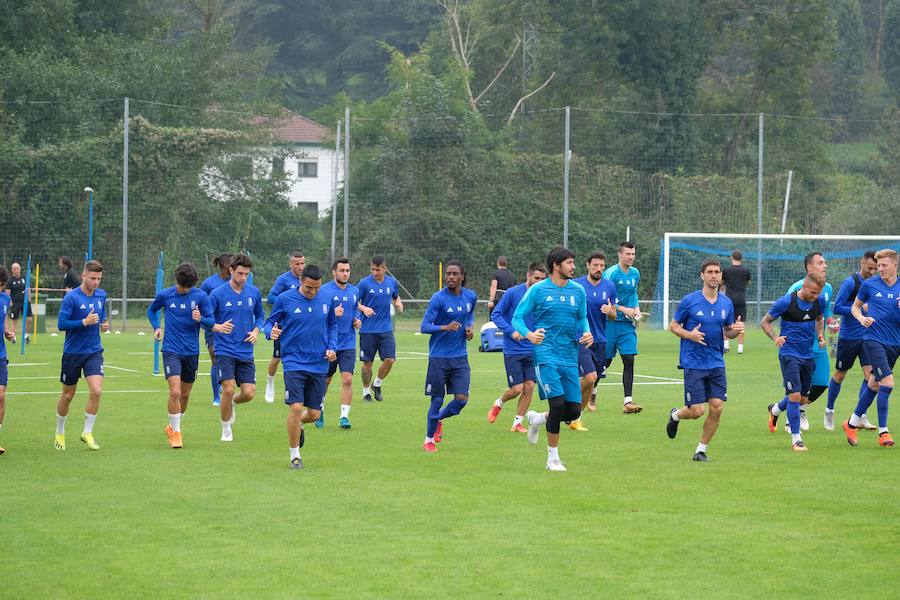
x: 307, y: 169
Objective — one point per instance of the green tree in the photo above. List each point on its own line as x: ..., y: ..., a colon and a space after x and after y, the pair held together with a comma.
x: 891, y: 62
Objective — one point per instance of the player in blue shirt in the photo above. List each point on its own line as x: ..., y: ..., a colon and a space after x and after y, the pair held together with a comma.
x: 559, y: 308
x: 223, y: 263
x: 289, y: 280
x: 306, y: 323
x: 448, y: 319
x: 82, y: 316
x: 237, y: 310
x: 850, y: 339
x: 186, y: 309
x: 601, y: 305
x: 703, y: 320
x: 802, y: 316
x: 881, y: 343
x: 9, y: 334
x: 346, y: 295
x: 621, y: 334
x: 376, y: 335
x: 517, y: 356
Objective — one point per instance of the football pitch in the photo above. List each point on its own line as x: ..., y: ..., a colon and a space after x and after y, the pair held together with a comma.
x: 373, y: 516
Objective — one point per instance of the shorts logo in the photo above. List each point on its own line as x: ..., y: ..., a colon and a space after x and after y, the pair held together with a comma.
x: 789, y: 386
x: 546, y: 388
x: 428, y: 389
x: 510, y: 379
x: 687, y: 395
x: 287, y: 395
x: 168, y: 369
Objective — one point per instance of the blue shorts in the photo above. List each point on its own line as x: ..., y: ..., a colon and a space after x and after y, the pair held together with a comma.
x: 382, y: 343
x: 74, y: 364
x: 346, y: 360
x: 184, y: 367
x: 822, y: 371
x: 239, y: 369
x: 4, y: 372
x: 519, y: 368
x: 702, y: 384
x: 797, y: 374
x: 557, y: 380
x: 847, y: 353
x: 276, y: 348
x: 882, y: 358
x: 591, y: 359
x: 447, y: 376
x: 621, y: 337
x: 302, y: 387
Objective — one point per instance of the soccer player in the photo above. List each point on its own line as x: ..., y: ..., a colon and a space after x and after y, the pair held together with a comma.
x: 501, y: 280
x: 238, y: 313
x: 223, y: 264
x: 559, y: 308
x: 601, y: 305
x: 186, y: 309
x: 82, y: 316
x: 448, y: 319
x: 306, y: 323
x: 517, y: 351
x: 16, y: 287
x: 703, y: 320
x: 621, y: 334
x: 10, y: 335
x: 881, y: 344
x: 735, y: 280
x: 376, y: 335
x: 70, y: 277
x: 850, y: 339
x: 802, y: 322
x: 346, y: 295
x: 289, y: 280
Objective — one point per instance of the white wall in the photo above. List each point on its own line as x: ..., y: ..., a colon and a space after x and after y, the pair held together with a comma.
x: 319, y: 189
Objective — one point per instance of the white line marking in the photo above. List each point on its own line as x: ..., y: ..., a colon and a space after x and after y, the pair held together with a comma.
x: 28, y: 364
x: 645, y: 383
x: 109, y: 366
x: 649, y: 376
x: 56, y: 393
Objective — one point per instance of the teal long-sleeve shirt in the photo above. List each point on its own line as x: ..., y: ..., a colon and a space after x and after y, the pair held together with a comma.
x: 562, y: 313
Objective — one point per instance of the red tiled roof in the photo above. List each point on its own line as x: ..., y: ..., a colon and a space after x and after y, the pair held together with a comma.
x: 297, y: 129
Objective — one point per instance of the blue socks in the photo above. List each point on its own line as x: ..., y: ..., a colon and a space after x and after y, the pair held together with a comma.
x: 434, y: 410
x: 452, y: 409
x: 215, y: 384
x: 793, y: 414
x: 834, y: 388
x: 883, y: 393
x: 866, y: 396
x: 782, y: 406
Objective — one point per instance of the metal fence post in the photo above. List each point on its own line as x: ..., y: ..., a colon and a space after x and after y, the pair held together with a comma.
x: 566, y: 159
x: 125, y: 223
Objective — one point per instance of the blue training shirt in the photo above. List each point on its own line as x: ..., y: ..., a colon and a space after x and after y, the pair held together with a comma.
x: 713, y: 317
x: 75, y: 307
x: 562, y: 313
x: 245, y: 311
x: 377, y: 296
x: 884, y: 307
x: 502, y: 316
x: 827, y: 294
x: 850, y: 327
x: 182, y: 330
x: 346, y: 297
x: 444, y: 308
x: 309, y: 329
x: 800, y: 335
x: 286, y: 281
x: 626, y: 287
x: 597, y: 296
x: 4, y: 309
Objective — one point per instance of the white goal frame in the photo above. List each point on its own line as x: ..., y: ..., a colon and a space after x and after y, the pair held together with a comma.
x: 670, y: 235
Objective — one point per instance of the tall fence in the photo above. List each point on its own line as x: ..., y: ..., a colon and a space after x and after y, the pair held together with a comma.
x: 421, y: 188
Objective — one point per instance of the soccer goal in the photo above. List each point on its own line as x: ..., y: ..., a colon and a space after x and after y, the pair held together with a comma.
x: 775, y: 262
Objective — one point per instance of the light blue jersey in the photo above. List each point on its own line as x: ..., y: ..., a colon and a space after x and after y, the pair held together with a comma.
x: 627, y: 283
x: 562, y: 313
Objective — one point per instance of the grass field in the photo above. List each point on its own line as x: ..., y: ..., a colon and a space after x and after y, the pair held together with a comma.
x: 372, y: 515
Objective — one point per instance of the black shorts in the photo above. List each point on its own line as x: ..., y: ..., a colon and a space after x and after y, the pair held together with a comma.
x: 15, y: 311
x: 740, y: 310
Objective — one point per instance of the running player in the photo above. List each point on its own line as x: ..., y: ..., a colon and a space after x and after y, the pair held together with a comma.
x: 82, y: 316
x: 802, y: 322
x: 703, y: 320
x: 850, y: 339
x: 289, y: 280
x: 346, y: 295
x: 186, y: 309
x: 621, y: 334
x: 448, y: 319
x: 306, y: 323
x: 517, y: 351
x: 238, y: 313
x: 559, y: 308
x: 376, y: 335
x: 223, y: 264
x: 881, y: 344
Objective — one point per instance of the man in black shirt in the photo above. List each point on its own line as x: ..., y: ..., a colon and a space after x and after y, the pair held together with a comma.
x: 16, y: 287
x: 501, y: 280
x: 735, y: 280
x: 72, y: 280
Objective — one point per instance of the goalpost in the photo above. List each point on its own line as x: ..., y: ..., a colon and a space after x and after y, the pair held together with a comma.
x: 775, y: 262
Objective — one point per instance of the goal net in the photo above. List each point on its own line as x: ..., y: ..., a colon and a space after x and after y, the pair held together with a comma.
x: 775, y: 263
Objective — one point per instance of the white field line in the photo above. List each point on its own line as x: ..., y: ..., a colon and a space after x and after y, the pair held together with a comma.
x: 82, y: 392
x: 650, y: 377
x: 27, y: 365
x: 109, y: 366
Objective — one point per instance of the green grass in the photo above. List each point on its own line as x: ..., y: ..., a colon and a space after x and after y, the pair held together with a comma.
x: 372, y: 516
